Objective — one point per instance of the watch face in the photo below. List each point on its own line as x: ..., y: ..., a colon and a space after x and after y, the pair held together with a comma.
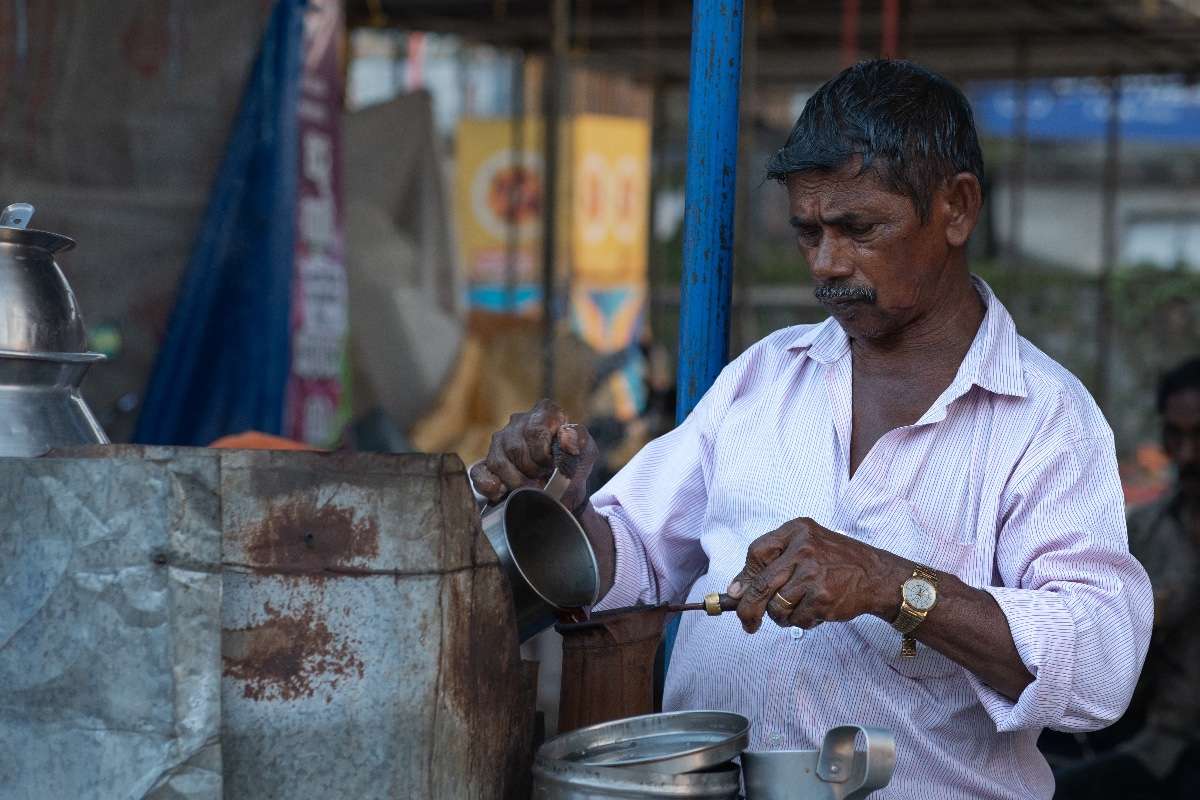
x: 919, y: 593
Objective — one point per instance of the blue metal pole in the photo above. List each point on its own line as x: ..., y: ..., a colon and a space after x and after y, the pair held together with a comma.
x: 709, y: 194
x: 710, y: 191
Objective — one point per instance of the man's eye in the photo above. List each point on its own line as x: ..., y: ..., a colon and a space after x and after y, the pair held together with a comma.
x: 808, y: 235
x: 860, y: 230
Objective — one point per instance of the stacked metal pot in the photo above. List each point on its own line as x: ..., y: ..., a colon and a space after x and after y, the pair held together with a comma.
x: 43, y: 345
x: 683, y: 754
x: 690, y: 754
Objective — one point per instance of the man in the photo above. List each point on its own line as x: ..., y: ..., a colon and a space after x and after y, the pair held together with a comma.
x: 911, y: 467
x: 1163, y: 760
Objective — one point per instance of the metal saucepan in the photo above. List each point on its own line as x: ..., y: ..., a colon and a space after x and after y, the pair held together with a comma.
x: 544, y: 551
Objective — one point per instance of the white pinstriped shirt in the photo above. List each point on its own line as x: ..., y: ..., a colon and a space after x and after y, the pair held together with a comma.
x: 1009, y: 481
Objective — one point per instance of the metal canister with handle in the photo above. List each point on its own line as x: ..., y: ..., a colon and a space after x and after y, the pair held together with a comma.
x: 544, y: 552
x: 835, y: 772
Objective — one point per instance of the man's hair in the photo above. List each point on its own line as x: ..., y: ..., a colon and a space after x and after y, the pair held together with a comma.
x: 911, y: 125
x: 1181, y: 378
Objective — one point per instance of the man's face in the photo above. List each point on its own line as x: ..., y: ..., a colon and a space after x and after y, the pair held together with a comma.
x: 1181, y: 437
x: 876, y: 267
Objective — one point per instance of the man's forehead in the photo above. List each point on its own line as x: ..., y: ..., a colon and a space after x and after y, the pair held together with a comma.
x: 847, y: 189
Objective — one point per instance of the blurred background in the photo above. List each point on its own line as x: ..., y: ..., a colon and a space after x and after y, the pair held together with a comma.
x: 388, y: 224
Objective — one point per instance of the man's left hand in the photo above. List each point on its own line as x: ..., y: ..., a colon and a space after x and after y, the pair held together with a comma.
x: 803, y: 574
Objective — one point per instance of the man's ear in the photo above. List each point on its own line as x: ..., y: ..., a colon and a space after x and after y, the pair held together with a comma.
x: 961, y: 199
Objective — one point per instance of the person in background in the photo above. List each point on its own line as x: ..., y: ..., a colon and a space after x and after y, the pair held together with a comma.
x: 1163, y: 759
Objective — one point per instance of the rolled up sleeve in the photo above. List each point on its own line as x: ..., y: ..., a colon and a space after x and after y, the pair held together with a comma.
x: 657, y: 504
x: 1079, y: 606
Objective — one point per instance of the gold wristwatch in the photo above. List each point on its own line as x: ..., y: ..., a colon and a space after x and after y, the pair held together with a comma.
x: 918, y: 595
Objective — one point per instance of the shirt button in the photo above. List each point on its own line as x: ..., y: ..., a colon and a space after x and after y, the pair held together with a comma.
x: 775, y: 739
x: 797, y: 633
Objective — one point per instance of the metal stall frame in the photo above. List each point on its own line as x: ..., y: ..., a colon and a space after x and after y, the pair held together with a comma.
x: 710, y: 194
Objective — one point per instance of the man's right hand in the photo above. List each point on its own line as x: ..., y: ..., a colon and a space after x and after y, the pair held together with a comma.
x: 521, y: 455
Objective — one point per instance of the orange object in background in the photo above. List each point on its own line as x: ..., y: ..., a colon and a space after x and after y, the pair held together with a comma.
x: 1146, y: 476
x: 254, y: 440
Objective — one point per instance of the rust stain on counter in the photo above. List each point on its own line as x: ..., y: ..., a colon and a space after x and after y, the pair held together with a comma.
x: 302, y: 536
x: 288, y: 656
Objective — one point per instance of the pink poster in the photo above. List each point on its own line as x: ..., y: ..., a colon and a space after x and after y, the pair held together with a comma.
x: 316, y: 407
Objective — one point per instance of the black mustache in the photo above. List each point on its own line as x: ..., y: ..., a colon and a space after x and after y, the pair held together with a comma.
x: 826, y: 292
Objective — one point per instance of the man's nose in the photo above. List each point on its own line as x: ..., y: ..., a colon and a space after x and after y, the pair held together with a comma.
x: 828, y: 260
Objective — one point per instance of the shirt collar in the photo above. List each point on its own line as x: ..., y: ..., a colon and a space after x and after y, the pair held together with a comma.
x: 993, y: 362
x: 824, y: 343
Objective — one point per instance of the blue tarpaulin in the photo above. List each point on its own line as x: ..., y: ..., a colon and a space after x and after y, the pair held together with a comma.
x: 224, y: 365
x: 1162, y: 109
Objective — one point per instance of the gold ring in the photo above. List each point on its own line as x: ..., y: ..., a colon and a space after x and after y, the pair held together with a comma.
x: 784, y: 600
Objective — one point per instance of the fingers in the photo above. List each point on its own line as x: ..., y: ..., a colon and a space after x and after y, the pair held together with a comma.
x: 793, y: 592
x: 521, y: 454
x: 802, y: 617
x: 763, y: 550
x: 576, y: 441
x: 573, y: 439
x: 541, y: 426
x: 487, y: 483
x: 760, y: 589
x: 805, y: 603
x: 499, y: 462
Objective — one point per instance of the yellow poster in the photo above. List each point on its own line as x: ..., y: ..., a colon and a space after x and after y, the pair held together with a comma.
x: 610, y: 190
x: 611, y: 187
x: 499, y: 195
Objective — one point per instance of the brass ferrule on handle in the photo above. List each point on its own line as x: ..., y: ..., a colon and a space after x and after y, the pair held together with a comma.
x: 714, y: 604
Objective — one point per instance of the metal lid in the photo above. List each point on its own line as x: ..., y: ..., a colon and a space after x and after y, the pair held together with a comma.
x: 677, y: 742
x: 46, y: 240
x: 39, y: 315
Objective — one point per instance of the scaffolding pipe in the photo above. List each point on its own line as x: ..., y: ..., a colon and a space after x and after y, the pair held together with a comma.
x: 709, y: 197
x: 746, y: 327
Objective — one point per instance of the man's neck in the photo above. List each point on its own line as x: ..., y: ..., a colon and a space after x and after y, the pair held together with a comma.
x: 937, y: 341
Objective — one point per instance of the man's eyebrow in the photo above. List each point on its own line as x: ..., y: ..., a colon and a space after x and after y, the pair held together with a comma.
x: 837, y: 220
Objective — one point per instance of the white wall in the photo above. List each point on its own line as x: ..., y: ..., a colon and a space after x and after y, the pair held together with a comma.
x: 1062, y: 223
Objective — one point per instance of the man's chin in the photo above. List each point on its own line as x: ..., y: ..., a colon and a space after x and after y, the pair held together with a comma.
x: 855, y: 317
x: 845, y: 310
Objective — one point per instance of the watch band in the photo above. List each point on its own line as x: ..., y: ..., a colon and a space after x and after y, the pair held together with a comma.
x: 909, y: 618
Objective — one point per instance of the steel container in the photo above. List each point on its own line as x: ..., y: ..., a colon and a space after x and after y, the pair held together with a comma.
x: 835, y: 772
x: 564, y: 780
x: 679, y: 754
x: 43, y: 348
x: 671, y: 743
x: 547, y: 557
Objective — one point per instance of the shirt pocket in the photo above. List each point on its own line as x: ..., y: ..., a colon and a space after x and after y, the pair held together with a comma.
x: 897, y: 531
x: 892, y: 524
